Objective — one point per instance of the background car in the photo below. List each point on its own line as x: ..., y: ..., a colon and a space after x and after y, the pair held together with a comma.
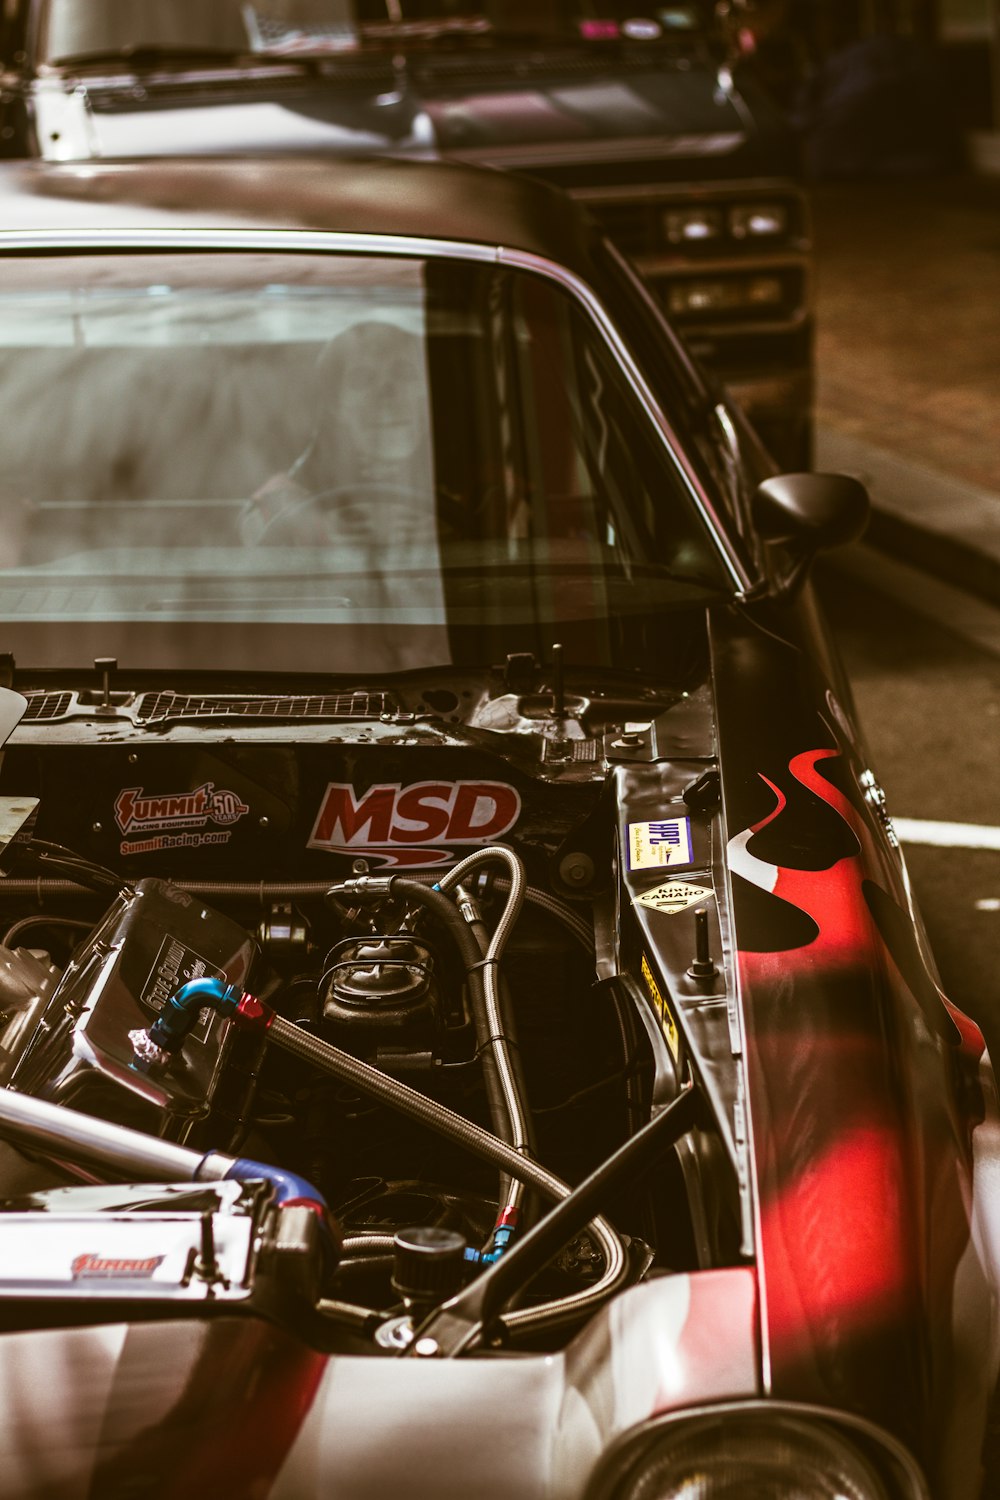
x: 466, y: 1026
x: 637, y: 113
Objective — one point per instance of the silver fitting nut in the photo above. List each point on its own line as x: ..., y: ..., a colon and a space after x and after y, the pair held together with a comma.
x: 145, y: 1053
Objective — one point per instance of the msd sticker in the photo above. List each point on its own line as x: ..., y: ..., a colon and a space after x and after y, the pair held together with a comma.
x: 404, y: 825
x: 178, y: 819
x: 654, y: 845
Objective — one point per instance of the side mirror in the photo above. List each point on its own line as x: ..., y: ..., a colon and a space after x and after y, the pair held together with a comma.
x: 809, y: 513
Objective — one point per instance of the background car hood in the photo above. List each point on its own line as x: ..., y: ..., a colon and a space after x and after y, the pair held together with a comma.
x: 542, y: 118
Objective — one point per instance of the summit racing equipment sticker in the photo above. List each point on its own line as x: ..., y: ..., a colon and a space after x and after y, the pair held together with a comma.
x: 177, y: 817
x: 90, y: 1267
x: 653, y: 845
x: 403, y: 825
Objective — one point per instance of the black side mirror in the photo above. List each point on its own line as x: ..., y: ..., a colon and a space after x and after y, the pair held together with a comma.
x: 809, y: 513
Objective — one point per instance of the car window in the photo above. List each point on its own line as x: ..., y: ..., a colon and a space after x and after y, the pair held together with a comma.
x: 373, y: 444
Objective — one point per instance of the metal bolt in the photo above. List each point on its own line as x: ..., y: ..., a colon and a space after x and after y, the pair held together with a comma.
x: 97, y: 827
x: 577, y: 869
x: 359, y: 866
x: 426, y: 1348
x: 263, y: 821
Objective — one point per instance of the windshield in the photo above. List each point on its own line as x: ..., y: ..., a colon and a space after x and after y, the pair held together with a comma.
x: 325, y: 463
x: 77, y: 29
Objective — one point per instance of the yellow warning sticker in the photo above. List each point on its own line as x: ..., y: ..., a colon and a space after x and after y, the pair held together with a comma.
x: 667, y: 1023
x: 674, y: 896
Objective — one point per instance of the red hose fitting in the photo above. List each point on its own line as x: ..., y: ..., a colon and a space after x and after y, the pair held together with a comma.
x: 253, y: 1013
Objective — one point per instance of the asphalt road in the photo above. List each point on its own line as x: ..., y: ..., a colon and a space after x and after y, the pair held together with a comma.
x: 925, y: 663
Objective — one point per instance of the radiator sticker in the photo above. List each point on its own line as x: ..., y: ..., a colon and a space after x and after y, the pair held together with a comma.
x: 654, y: 845
x: 674, y: 896
x: 407, y: 825
x: 91, y: 1267
x: 177, y: 820
x: 667, y: 1023
x: 175, y: 965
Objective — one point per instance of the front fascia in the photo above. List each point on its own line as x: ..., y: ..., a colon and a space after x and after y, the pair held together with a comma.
x: 535, y: 1426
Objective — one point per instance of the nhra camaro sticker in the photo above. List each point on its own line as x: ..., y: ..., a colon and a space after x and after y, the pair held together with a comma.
x: 653, y: 845
x: 406, y: 825
x: 177, y: 820
x: 674, y: 896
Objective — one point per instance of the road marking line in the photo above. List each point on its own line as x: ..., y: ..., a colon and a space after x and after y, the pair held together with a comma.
x: 946, y: 835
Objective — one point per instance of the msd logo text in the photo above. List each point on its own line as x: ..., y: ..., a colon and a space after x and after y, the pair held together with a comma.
x: 398, y: 825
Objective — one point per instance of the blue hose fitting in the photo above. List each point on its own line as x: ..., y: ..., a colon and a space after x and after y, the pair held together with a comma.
x: 503, y: 1233
x: 183, y: 1008
x: 293, y: 1191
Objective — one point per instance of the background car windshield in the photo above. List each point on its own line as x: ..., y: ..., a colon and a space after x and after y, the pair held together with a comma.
x: 430, y: 459
x: 78, y: 28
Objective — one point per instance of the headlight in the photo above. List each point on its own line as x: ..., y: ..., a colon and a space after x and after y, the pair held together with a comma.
x: 735, y: 1456
x: 724, y: 294
x: 684, y: 226
x: 752, y: 221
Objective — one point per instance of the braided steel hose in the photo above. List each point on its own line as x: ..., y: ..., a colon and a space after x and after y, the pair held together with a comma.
x: 437, y: 1117
x: 261, y: 891
x: 499, y: 1049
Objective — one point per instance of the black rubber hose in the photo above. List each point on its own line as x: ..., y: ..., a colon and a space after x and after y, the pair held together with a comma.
x: 468, y: 946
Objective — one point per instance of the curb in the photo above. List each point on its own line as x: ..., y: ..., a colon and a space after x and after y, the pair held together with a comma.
x: 938, y: 524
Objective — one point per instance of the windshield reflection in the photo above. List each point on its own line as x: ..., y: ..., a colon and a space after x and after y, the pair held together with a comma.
x: 425, y: 450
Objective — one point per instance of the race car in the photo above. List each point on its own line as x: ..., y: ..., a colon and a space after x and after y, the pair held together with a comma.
x: 465, y: 1024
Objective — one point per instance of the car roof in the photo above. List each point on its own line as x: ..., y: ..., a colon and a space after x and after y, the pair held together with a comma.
x: 382, y: 196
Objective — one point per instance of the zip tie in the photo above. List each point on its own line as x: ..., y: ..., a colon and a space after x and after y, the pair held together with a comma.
x: 481, y: 964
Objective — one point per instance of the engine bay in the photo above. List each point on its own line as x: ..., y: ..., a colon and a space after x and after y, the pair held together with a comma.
x: 429, y: 930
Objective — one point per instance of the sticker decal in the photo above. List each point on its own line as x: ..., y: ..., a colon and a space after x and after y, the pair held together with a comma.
x: 653, y: 845
x: 91, y: 1267
x: 174, y: 817
x: 403, y: 825
x: 675, y: 896
x: 667, y: 1023
x: 175, y: 965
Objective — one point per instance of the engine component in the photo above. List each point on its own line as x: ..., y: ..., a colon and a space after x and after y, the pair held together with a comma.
x: 152, y: 939
x: 381, y: 991
x: 27, y: 979
x: 429, y: 1266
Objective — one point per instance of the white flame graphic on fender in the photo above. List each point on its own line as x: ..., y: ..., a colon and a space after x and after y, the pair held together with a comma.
x: 398, y: 824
